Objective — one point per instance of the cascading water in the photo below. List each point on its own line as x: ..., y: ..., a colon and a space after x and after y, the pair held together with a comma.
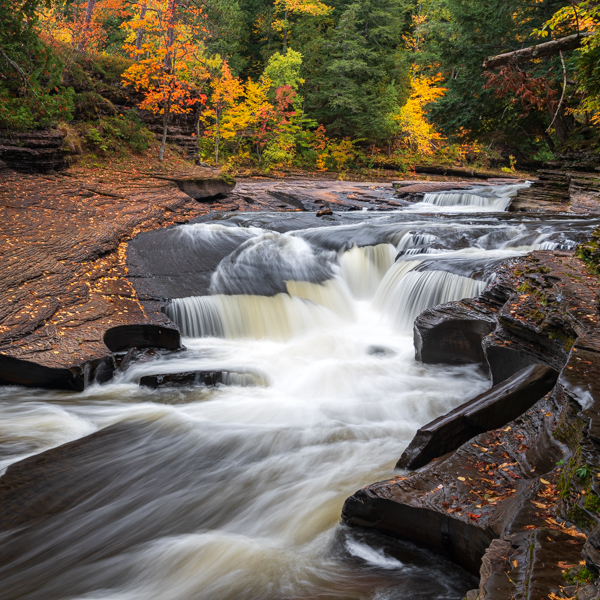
x: 477, y: 199
x: 235, y: 492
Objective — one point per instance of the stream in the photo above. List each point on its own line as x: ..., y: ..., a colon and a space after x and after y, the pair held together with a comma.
x: 235, y: 492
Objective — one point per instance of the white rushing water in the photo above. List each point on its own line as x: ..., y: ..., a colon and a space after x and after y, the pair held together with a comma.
x: 235, y: 492
x: 476, y: 199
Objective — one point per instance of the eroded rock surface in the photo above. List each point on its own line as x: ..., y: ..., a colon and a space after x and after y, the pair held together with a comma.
x: 66, y: 299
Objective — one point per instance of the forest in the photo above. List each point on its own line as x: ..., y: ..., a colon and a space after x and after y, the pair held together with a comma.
x: 308, y: 84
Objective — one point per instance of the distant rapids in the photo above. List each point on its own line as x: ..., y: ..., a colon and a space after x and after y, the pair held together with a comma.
x: 234, y: 492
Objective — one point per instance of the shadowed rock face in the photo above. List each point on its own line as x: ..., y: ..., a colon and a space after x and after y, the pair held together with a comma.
x: 33, y: 151
x: 202, y: 188
x: 124, y: 337
x: 452, y: 333
x: 532, y: 314
x: 490, y: 410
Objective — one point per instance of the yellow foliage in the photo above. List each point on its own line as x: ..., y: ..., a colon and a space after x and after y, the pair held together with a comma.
x: 415, y: 130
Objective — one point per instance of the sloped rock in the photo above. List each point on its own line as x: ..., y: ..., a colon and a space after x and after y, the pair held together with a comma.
x: 458, y: 504
x: 452, y: 333
x: 490, y: 410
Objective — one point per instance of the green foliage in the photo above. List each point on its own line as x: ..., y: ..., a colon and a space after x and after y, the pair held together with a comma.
x: 110, y: 134
x: 579, y: 575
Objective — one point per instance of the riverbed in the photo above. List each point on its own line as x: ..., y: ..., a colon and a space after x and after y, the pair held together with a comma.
x: 235, y: 491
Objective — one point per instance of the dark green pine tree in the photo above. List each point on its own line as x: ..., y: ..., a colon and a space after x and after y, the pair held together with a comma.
x: 361, y: 76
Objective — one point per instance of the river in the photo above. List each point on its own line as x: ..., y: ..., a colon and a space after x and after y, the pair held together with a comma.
x: 235, y: 491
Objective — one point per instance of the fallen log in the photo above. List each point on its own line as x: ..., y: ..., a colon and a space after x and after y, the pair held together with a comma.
x: 570, y: 42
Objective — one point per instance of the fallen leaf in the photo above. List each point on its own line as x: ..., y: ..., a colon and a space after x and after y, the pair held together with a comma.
x: 545, y: 482
x: 461, y: 479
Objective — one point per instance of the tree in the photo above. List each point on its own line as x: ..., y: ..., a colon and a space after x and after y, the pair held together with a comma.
x: 290, y: 8
x: 221, y: 116
x: 415, y: 129
x: 167, y: 65
x: 363, y: 76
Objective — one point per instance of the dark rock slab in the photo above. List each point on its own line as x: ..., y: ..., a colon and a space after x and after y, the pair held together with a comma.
x: 490, y: 410
x: 201, y: 188
x: 52, y: 482
x: 206, y: 378
x: 452, y: 333
x: 139, y: 335
x: 171, y: 263
x: 14, y: 371
x: 487, y: 488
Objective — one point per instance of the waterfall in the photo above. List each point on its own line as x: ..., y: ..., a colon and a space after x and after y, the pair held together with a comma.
x: 487, y: 199
x: 363, y: 267
x: 405, y: 293
x: 279, y: 317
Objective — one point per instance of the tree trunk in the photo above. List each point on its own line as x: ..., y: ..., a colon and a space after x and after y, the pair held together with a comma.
x: 140, y: 32
x: 285, y: 34
x: 571, y: 42
x: 89, y: 13
x: 170, y: 34
x: 217, y: 136
x: 163, y: 143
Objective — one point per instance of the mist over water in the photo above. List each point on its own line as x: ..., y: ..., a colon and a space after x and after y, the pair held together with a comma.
x: 235, y: 492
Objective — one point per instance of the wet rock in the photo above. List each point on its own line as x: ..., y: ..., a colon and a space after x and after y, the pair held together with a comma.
x: 14, y: 371
x: 140, y: 335
x: 459, y: 503
x: 490, y: 410
x: 206, y: 378
x: 591, y: 551
x: 589, y: 592
x: 380, y: 351
x: 323, y: 212
x: 452, y: 333
x: 527, y: 565
x: 52, y: 482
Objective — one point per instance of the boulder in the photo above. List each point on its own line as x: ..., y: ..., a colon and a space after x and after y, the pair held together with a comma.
x: 201, y: 187
x: 188, y: 378
x: 490, y: 410
x: 452, y: 333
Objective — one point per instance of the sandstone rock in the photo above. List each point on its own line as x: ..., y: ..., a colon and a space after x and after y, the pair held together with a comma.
x: 324, y: 211
x: 33, y: 152
x: 490, y: 410
x: 486, y: 489
x: 202, y: 188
